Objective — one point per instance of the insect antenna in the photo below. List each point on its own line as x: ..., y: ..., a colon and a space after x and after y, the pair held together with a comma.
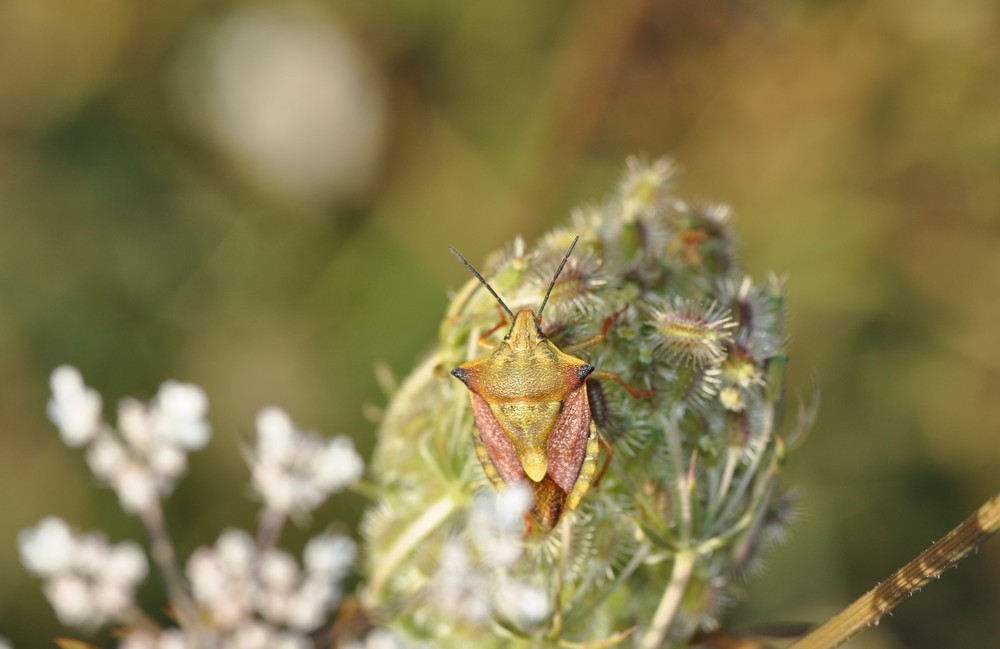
x: 484, y: 282
x: 555, y: 277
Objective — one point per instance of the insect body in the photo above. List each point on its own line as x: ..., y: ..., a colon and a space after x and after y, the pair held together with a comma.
x: 532, y: 415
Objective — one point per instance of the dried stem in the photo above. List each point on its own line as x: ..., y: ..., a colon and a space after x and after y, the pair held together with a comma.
x: 933, y: 561
x: 272, y: 522
x: 165, y: 558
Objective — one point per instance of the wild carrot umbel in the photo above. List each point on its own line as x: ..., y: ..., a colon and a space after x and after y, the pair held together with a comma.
x: 241, y: 592
x: 691, y: 493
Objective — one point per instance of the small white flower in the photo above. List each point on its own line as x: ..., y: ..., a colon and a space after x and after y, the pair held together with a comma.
x: 136, y: 488
x: 167, y: 461
x: 127, y: 564
x: 232, y: 608
x: 5, y: 643
x: 90, y: 553
x: 497, y: 524
x: 275, y: 435
x: 296, y: 471
x: 71, y: 599
x: 139, y: 640
x: 511, y: 506
x: 236, y: 551
x: 339, y: 465
x: 173, y: 639
x: 135, y: 425
x: 290, y: 640
x: 382, y: 639
x: 207, y: 578
x: 275, y: 486
x: 168, y: 639
x: 525, y: 604
x: 178, y: 415
x: 106, y: 457
x: 273, y: 606
x: 307, y: 607
x: 222, y: 579
x: 47, y: 548
x: 250, y: 635
x: 110, y: 599
x: 278, y: 570
x: 74, y: 408
x: 330, y: 555
x: 460, y: 589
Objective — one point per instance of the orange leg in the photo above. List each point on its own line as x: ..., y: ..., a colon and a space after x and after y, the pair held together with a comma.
x: 603, y: 375
x: 484, y: 341
x: 593, y: 340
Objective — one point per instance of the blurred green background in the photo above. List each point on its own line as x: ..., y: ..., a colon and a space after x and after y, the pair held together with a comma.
x: 258, y: 198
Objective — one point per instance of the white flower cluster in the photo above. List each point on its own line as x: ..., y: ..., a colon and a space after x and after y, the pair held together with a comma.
x: 473, y: 580
x: 74, y: 408
x: 497, y: 524
x: 87, y: 580
x: 239, y: 593
x: 5, y: 643
x: 253, y: 599
x: 250, y: 635
x: 296, y: 471
x: 144, y: 458
x: 377, y: 639
x: 235, y: 584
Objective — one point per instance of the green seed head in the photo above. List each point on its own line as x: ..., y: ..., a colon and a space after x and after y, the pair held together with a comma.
x: 653, y: 549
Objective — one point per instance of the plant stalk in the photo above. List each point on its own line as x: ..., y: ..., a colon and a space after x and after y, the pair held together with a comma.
x: 929, y: 564
x: 659, y: 626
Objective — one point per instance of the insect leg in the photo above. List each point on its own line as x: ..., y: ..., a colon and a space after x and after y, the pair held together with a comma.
x: 606, y: 443
x: 593, y: 340
x: 484, y: 341
x: 611, y: 376
x: 588, y: 470
x: 484, y: 458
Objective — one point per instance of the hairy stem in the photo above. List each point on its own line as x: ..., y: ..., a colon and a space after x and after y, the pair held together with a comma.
x: 659, y: 626
x: 683, y: 492
x: 404, y: 545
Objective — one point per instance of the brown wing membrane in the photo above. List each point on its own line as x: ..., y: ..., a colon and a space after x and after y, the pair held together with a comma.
x: 500, y: 449
x: 568, y: 441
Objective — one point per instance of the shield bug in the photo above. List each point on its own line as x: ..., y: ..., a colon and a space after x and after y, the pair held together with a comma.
x: 532, y: 413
